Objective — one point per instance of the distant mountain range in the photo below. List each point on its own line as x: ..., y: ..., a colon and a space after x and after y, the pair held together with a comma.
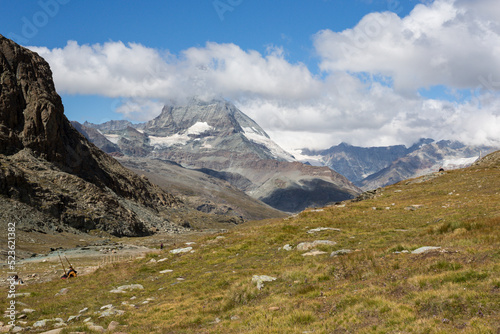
x: 217, y: 139
x: 373, y: 167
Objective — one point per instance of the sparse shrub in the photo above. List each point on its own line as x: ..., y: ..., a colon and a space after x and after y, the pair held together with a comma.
x: 292, y: 229
x: 397, y: 248
x: 445, y: 266
x: 466, y: 276
x: 324, y: 278
x: 242, y: 295
x: 305, y: 318
x: 459, y: 227
x: 303, y: 289
x: 146, y: 270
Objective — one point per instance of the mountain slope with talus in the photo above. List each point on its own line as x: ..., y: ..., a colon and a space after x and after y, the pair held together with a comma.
x: 218, y: 139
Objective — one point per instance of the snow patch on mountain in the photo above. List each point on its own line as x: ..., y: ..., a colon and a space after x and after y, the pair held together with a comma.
x: 198, y: 128
x: 180, y: 138
x: 112, y: 138
x: 257, y: 137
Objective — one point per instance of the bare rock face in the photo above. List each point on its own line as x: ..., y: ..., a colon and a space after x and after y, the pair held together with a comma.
x: 47, y: 164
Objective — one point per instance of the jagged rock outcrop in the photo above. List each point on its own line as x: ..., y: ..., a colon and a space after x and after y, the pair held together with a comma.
x: 46, y: 163
x: 218, y: 139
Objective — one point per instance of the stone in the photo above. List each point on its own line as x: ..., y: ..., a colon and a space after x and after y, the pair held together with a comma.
x: 40, y: 323
x: 111, y: 312
x: 181, y: 250
x: 27, y: 310
x: 113, y: 325
x: 274, y: 308
x: 83, y: 310
x: 305, y: 246
x: 17, y: 329
x: 5, y: 329
x: 314, y: 252
x: 413, y: 207
x: 425, y: 249
x: 106, y: 307
x: 166, y: 271
x: 340, y: 252
x: 260, y: 279
x: 62, y: 292
x: 125, y: 288
x: 96, y: 328
x: 54, y: 331
x: 73, y: 317
x: 287, y: 247
x: 320, y: 229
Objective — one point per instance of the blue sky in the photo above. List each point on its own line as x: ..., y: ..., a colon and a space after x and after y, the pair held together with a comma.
x: 311, y: 72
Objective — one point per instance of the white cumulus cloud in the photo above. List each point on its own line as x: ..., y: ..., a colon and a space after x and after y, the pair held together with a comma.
x: 367, y: 92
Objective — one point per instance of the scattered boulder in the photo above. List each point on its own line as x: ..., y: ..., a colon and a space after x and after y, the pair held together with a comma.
x: 125, y: 288
x: 6, y: 328
x: 62, y: 292
x: 54, y: 331
x: 320, y: 229
x: 181, y: 250
x: 413, y: 207
x: 96, y: 328
x: 314, y: 252
x: 340, y: 252
x: 27, y: 310
x: 166, y: 271
x: 425, y: 249
x: 110, y: 312
x: 260, y: 279
x: 113, y: 325
x: 40, y: 323
x: 73, y: 317
x: 305, y: 246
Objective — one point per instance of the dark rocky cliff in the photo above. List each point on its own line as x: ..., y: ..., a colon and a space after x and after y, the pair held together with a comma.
x: 48, y: 164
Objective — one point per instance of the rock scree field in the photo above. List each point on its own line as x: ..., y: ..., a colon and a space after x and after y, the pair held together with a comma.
x: 420, y: 256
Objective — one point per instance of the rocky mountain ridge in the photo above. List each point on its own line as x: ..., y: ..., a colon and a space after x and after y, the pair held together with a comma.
x: 373, y: 167
x: 218, y: 139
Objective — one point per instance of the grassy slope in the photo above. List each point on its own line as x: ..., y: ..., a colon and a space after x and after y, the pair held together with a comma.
x: 371, y: 290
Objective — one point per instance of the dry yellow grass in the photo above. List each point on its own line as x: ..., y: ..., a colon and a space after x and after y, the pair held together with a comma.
x: 370, y: 290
